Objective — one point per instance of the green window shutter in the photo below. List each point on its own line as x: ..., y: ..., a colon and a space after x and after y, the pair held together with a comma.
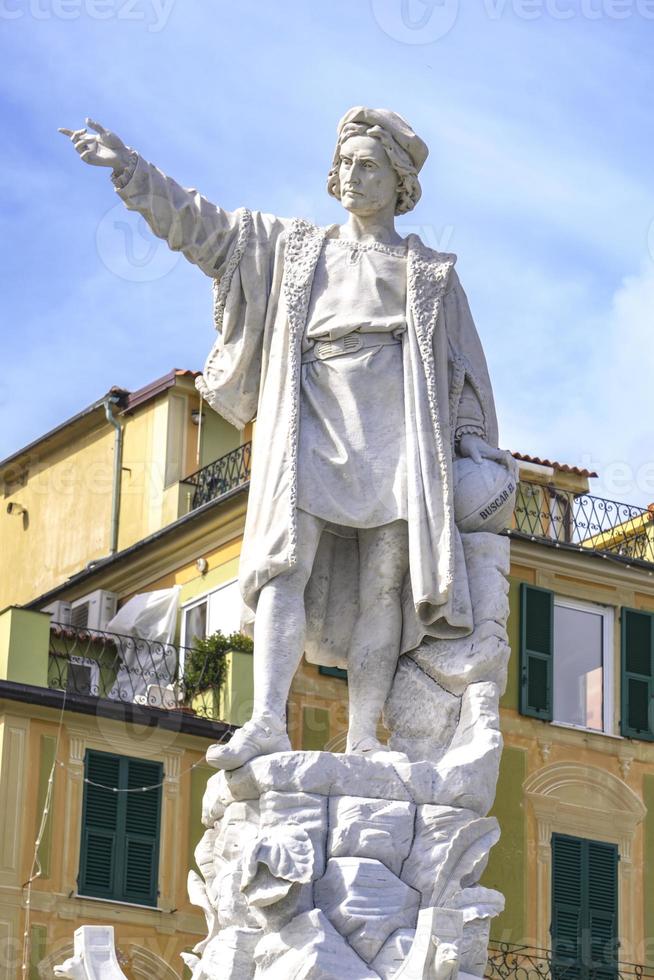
x: 333, y: 672
x: 142, y: 825
x: 120, y: 830
x: 603, y: 908
x: 637, y: 676
x: 99, y: 851
x: 567, y: 906
x: 536, y: 651
x: 584, y: 908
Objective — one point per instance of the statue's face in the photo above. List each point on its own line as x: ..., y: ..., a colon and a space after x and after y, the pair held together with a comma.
x: 368, y: 180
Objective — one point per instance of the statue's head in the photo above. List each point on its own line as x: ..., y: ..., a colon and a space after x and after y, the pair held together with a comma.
x: 376, y: 162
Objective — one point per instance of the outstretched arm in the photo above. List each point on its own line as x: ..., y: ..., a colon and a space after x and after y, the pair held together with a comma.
x: 203, y: 232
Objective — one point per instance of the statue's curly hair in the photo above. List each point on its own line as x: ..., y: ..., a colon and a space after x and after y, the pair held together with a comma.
x: 409, y: 190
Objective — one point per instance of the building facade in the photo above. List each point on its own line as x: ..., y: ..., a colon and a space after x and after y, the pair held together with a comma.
x: 95, y: 516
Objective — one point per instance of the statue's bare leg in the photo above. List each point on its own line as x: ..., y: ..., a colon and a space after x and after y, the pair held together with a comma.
x: 279, y: 630
x: 280, y: 624
x: 374, y: 651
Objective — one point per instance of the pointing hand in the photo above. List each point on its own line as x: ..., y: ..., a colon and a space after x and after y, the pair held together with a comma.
x: 100, y: 148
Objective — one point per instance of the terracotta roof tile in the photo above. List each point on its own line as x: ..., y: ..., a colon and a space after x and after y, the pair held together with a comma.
x: 561, y: 467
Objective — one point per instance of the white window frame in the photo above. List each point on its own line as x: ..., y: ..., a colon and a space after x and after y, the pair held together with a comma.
x: 192, y: 604
x: 198, y: 601
x: 608, y: 619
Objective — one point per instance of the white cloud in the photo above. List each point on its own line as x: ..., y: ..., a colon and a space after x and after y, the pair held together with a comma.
x: 596, y: 410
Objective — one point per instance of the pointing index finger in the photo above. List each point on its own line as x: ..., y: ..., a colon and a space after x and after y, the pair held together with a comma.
x: 66, y: 132
x: 92, y: 124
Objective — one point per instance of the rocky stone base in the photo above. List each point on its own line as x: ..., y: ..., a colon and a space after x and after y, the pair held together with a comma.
x: 327, y: 882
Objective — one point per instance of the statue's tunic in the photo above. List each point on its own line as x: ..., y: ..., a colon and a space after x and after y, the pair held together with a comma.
x: 352, y: 440
x: 263, y: 268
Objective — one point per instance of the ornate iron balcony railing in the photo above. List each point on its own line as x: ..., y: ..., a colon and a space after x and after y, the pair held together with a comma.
x: 542, y: 512
x: 221, y: 476
x: 121, y: 668
x: 511, y: 962
x: 563, y: 517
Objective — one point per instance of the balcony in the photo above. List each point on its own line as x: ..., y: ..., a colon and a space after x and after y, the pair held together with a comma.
x: 220, y: 477
x: 96, y: 664
x: 544, y: 513
x: 510, y: 962
x: 121, y: 677
x: 565, y: 518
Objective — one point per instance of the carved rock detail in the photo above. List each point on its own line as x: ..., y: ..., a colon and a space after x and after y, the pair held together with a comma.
x: 365, y: 902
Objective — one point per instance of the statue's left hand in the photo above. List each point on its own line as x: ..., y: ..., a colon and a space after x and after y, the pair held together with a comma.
x: 478, y: 449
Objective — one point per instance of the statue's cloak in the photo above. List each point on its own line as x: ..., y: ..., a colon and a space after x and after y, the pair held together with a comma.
x: 263, y: 267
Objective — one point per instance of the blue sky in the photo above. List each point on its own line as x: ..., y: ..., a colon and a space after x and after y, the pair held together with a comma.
x: 538, y: 116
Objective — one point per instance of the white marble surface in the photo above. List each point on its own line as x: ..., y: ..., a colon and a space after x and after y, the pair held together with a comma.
x: 94, y: 956
x: 339, y: 876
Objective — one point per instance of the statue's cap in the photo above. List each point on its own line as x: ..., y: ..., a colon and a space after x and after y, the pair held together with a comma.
x: 394, y: 124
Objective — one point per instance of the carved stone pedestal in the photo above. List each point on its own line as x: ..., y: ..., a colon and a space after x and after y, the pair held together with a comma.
x: 318, y: 866
x: 359, y: 875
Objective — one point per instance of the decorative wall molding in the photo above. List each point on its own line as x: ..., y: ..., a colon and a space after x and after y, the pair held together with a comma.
x: 14, y: 734
x: 583, y: 801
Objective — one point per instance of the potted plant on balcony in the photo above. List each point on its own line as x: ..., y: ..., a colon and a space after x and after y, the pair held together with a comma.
x: 205, y: 668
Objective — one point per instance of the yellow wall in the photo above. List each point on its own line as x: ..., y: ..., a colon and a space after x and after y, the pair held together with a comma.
x: 67, y: 492
x: 566, y: 780
x: 68, y: 502
x: 27, y: 734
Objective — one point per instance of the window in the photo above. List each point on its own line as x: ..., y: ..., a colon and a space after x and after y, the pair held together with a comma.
x: 580, y: 645
x: 584, y: 923
x: 565, y: 660
x: 119, y: 857
x: 195, y: 622
x: 217, y: 610
x: 83, y: 676
x: 637, y: 674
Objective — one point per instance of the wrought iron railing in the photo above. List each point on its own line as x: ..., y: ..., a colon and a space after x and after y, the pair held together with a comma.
x: 542, y: 512
x: 565, y: 517
x: 221, y: 476
x: 122, y: 668
x: 511, y: 962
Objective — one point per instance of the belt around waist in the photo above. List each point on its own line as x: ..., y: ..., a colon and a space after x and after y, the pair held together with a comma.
x: 322, y: 350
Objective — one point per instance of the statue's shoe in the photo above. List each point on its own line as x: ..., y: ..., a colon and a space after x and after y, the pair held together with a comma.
x: 256, y: 737
x: 366, y: 746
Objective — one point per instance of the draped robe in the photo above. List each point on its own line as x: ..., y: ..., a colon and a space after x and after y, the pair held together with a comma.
x: 262, y: 267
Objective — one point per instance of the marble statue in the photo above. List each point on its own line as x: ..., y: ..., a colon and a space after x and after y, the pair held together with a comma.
x: 376, y: 492
x: 355, y: 350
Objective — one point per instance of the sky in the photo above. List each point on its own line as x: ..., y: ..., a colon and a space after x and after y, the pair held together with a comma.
x: 538, y: 115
